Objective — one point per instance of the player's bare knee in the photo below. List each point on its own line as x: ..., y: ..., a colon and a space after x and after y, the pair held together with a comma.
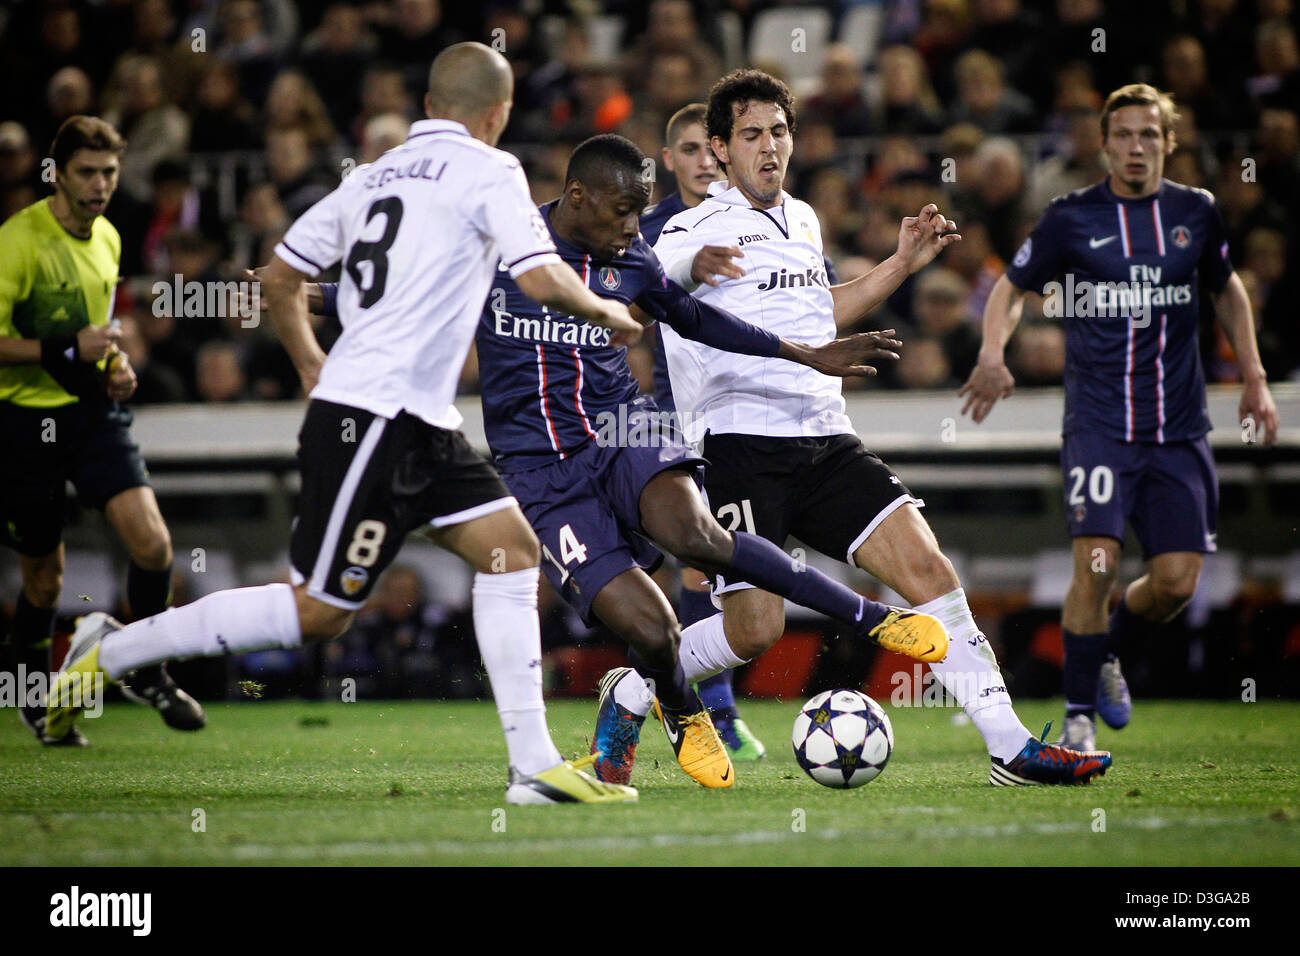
x: 319, y: 621
x: 752, y: 628
x: 153, y: 551
x: 1172, y: 593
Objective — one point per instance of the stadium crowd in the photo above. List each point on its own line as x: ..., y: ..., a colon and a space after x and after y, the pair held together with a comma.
x: 240, y: 114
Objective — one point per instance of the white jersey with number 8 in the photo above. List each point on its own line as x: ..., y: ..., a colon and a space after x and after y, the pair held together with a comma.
x: 419, y: 233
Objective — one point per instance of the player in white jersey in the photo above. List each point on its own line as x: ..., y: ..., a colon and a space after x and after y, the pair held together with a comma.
x: 783, y: 458
x: 419, y: 234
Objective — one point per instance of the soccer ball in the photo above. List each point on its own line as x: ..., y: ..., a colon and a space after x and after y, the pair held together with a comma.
x: 842, y: 739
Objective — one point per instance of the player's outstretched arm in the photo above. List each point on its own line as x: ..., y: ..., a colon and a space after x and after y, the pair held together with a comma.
x: 557, y: 286
x: 1232, y: 308
x: 991, y: 379
x: 844, y: 357
x: 920, y: 239
x: 286, y: 300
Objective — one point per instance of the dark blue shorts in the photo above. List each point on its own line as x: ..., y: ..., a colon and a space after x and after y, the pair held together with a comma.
x: 1169, y: 492
x: 586, y: 508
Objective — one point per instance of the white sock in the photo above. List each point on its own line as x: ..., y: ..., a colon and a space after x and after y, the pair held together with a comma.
x: 227, y: 622
x: 510, y: 642
x: 970, y: 674
x: 631, y: 693
x: 704, y: 650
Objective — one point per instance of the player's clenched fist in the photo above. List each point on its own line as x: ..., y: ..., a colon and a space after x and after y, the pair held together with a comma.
x: 120, y: 377
x: 95, y: 341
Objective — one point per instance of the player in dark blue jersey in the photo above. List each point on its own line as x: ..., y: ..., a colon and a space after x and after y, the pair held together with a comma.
x: 601, y: 473
x: 1121, y: 261
x: 686, y: 154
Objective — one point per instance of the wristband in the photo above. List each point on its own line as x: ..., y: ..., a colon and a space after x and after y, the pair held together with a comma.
x: 59, y: 351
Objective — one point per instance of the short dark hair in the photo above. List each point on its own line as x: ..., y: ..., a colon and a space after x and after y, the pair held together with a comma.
x: 741, y: 86
x: 84, y: 132
x: 688, y: 115
x: 600, y: 157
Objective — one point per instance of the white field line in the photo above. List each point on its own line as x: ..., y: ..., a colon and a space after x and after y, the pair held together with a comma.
x: 257, y: 852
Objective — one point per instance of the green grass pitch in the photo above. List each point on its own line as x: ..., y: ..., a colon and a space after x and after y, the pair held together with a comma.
x: 1194, y: 783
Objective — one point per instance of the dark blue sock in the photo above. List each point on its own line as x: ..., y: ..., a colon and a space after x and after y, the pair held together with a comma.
x: 716, y: 694
x: 669, y: 684
x: 1084, y: 655
x: 1124, y: 627
x: 764, y: 565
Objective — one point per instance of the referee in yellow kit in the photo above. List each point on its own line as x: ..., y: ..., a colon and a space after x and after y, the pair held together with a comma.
x: 61, y: 379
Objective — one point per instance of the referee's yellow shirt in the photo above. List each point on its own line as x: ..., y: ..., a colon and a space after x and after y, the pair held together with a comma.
x: 51, y: 283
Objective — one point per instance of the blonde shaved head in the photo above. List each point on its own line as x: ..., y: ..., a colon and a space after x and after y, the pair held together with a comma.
x: 466, y: 81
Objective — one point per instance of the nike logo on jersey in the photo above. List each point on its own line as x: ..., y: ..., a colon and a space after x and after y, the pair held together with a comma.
x: 668, y: 232
x: 1098, y: 243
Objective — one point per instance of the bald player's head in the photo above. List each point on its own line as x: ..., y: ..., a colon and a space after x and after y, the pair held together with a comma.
x: 472, y: 84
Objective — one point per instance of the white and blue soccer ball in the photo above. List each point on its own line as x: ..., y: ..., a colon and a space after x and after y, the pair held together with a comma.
x: 842, y: 739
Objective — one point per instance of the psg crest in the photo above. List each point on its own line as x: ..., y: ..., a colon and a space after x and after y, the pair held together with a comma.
x: 1181, y: 235
x: 610, y: 278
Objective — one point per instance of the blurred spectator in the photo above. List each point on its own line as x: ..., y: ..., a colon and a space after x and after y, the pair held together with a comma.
x: 296, y: 170
x: 383, y: 91
x: 907, y: 103
x: 975, y: 261
x: 1186, y: 76
x: 262, y: 221
x: 223, y: 118
x: 1010, y: 33
x: 20, y: 177
x: 671, y: 28
x: 602, y: 102
x: 155, y: 129
x: 943, y: 34
x: 157, y: 382
x: 173, y: 204
x: 1279, y: 160
x: 671, y: 83
x: 995, y: 196
x: 218, y: 374
x: 69, y: 93
x: 381, y: 134
x: 841, y: 101
x: 293, y: 102
x: 1038, y: 355
x: 939, y: 313
x: 923, y: 364
x: 412, y: 37
x: 334, y: 55
x: 1278, y: 81
x: 254, y: 37
x: 984, y: 99
x: 1078, y: 164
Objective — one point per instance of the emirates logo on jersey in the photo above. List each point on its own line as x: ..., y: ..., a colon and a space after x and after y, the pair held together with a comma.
x: 610, y: 278
x: 1181, y: 235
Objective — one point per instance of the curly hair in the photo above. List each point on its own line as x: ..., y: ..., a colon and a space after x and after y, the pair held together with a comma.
x: 742, y: 86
